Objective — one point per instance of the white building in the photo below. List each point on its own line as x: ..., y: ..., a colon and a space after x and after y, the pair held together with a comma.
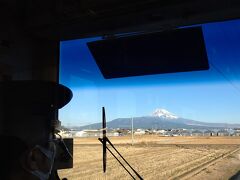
x: 139, y: 132
x: 94, y: 133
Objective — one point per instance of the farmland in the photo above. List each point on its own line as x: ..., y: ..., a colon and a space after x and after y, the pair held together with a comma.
x: 157, y: 157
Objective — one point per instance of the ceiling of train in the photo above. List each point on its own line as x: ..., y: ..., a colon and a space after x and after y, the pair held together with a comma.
x: 71, y: 19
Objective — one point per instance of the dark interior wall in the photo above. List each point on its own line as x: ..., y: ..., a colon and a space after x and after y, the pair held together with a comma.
x: 45, y: 59
x: 13, y: 53
x: 25, y: 58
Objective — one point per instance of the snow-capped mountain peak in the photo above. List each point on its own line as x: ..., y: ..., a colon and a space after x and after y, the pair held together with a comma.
x: 163, y: 113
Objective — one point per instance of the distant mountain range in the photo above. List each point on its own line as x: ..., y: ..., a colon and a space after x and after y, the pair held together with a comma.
x: 160, y: 119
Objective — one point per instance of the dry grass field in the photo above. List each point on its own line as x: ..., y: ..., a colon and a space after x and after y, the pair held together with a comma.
x: 157, y: 157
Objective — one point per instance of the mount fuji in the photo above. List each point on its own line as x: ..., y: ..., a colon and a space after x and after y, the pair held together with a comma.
x: 163, y: 113
x: 159, y: 119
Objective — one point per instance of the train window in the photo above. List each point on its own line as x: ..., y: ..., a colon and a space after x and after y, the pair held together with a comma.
x: 175, y: 125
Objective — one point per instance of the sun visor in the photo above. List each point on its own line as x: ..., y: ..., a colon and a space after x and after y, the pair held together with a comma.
x: 179, y: 50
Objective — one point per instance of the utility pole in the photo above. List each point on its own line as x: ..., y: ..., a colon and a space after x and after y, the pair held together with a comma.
x: 132, y: 131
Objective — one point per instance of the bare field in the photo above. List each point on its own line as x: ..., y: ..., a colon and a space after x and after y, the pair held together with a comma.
x: 157, y: 157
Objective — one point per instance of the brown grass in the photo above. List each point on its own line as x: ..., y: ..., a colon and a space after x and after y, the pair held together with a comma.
x: 153, y: 157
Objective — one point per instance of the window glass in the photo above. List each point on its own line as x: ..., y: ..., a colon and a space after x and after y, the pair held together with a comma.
x: 181, y: 121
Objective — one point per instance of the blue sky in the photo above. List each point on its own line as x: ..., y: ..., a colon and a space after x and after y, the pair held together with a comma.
x: 210, y: 96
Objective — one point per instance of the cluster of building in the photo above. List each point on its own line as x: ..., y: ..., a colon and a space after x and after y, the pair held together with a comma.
x: 160, y: 132
x: 203, y: 132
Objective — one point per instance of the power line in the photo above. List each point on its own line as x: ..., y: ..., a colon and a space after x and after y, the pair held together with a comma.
x: 225, y: 77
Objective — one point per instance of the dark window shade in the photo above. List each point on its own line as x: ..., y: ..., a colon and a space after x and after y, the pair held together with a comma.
x: 173, y: 51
